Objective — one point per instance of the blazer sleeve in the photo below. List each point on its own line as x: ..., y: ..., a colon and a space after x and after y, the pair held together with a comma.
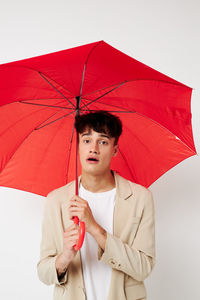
x: 46, y: 268
x: 136, y: 260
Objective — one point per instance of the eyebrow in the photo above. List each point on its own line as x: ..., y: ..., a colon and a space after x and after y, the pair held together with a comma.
x: 101, y: 134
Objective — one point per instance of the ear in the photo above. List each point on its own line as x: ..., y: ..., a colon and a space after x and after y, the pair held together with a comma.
x: 116, y: 147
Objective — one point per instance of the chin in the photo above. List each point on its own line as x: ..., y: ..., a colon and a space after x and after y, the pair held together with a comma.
x: 95, y: 171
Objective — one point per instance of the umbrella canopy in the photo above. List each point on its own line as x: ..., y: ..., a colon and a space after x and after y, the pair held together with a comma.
x: 40, y: 96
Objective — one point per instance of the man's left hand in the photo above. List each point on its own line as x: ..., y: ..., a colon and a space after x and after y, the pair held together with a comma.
x: 80, y: 208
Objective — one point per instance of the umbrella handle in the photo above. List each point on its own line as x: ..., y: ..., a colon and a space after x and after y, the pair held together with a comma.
x: 81, y: 234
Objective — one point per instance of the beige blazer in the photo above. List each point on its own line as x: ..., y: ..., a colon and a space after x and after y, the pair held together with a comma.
x: 130, y: 251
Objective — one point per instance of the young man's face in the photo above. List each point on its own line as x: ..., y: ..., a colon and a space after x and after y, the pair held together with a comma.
x: 96, y: 151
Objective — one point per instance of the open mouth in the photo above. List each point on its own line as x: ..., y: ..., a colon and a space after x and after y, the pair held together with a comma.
x: 92, y: 159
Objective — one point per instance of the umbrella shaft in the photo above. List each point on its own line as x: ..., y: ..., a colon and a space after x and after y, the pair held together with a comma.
x: 77, y: 114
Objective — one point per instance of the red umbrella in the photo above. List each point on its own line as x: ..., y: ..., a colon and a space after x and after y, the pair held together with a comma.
x: 40, y: 97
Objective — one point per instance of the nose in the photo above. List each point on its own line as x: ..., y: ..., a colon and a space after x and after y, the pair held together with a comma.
x: 94, y: 148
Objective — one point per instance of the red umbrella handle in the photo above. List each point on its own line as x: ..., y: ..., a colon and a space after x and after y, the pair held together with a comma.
x: 81, y: 234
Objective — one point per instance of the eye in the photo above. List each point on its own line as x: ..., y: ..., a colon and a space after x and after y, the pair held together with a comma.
x: 86, y: 141
x: 103, y: 142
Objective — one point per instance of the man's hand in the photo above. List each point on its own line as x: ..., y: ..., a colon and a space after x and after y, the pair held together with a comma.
x: 80, y: 208
x: 70, y: 238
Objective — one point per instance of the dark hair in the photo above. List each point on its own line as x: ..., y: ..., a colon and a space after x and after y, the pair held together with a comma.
x: 100, y: 121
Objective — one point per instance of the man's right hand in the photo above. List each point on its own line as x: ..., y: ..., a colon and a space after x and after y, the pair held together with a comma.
x: 70, y: 238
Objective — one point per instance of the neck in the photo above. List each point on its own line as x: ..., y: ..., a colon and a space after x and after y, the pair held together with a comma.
x: 98, y: 183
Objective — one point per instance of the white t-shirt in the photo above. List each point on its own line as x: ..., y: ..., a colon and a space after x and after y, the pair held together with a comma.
x: 96, y: 274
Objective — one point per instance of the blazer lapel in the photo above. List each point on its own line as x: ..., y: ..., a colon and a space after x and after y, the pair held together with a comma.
x: 68, y: 194
x: 122, y: 208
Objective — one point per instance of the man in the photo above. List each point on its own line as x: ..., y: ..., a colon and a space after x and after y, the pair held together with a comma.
x: 118, y: 252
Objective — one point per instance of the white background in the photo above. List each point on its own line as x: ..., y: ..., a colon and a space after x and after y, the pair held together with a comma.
x: 162, y: 34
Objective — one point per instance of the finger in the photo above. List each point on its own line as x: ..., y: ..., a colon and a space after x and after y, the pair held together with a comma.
x: 71, y: 230
x: 75, y: 208
x: 78, y: 199
x: 75, y: 229
x: 69, y: 243
x: 72, y: 226
x: 72, y: 242
x: 76, y: 213
x: 77, y: 204
x: 70, y: 236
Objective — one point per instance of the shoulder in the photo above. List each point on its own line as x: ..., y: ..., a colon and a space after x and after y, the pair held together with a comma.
x: 143, y: 197
x: 134, y: 187
x: 60, y: 194
x: 137, y: 186
x: 135, y: 192
x: 139, y: 189
x: 61, y: 189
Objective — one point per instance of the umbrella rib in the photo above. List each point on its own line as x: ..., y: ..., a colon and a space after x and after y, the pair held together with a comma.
x: 46, y: 105
x: 83, y: 75
x: 47, y: 147
x: 40, y: 73
x: 124, y: 158
x: 125, y: 110
x: 51, y: 115
x: 165, y: 128
x: 42, y: 99
x: 84, y: 110
x: 113, y: 111
x: 82, y: 100
x: 117, y: 111
x: 109, y: 86
x: 25, y: 116
x: 103, y: 95
x: 22, y: 140
x: 37, y: 128
x: 164, y: 81
x: 44, y: 76
x: 100, y: 42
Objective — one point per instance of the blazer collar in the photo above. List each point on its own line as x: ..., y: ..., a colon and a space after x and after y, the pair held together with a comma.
x: 122, y: 186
